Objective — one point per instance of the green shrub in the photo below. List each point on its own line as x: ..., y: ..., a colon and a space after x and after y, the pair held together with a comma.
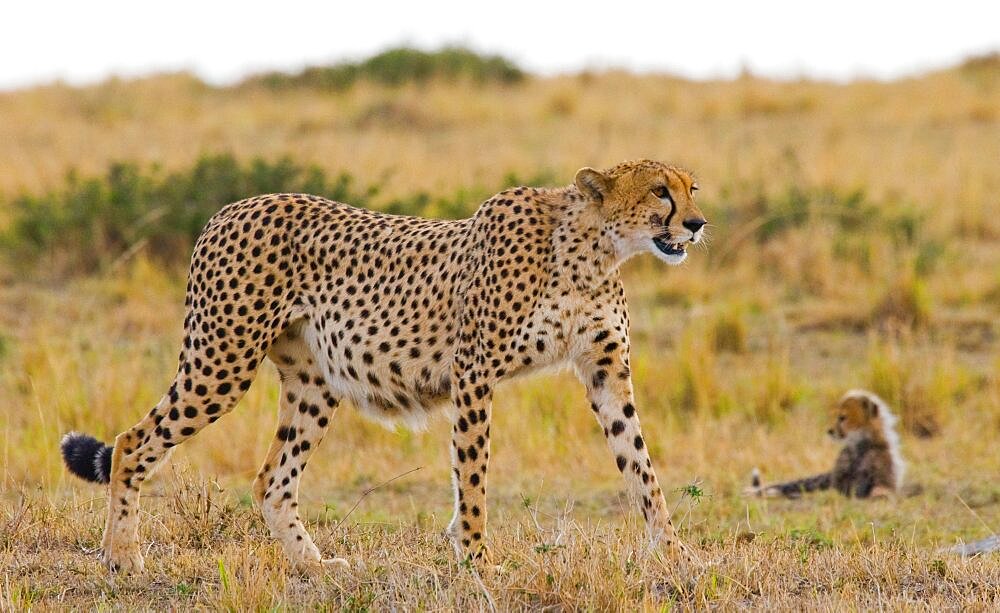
x: 399, y: 66
x: 89, y: 223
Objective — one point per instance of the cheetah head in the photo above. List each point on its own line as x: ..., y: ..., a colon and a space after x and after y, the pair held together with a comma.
x: 648, y: 207
x: 859, y: 412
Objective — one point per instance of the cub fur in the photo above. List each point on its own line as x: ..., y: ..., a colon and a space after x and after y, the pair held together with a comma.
x: 870, y: 463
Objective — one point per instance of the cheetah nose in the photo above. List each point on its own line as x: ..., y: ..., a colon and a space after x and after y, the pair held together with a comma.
x: 694, y: 224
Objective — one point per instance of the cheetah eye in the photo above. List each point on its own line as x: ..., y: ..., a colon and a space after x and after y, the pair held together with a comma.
x: 661, y: 192
x: 694, y: 187
x: 841, y: 417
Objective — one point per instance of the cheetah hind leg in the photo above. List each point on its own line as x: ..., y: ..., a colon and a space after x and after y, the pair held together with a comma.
x: 306, y: 407
x: 193, y: 401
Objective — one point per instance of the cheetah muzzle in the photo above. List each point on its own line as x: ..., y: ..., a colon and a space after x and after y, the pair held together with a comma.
x: 663, y: 243
x: 399, y: 316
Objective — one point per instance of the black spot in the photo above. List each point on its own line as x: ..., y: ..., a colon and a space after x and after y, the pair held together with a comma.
x: 599, y: 378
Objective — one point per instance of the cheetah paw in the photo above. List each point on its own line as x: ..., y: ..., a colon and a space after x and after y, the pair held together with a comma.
x: 335, y: 564
x: 480, y: 560
x: 124, y: 560
x: 318, y: 565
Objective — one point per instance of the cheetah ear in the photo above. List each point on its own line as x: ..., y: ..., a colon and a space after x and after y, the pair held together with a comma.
x: 593, y: 184
x: 871, y: 406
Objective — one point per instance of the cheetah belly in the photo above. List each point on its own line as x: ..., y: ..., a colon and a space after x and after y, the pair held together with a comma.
x: 388, y: 388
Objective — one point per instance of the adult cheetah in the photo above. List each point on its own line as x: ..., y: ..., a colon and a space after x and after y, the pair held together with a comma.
x: 398, y: 315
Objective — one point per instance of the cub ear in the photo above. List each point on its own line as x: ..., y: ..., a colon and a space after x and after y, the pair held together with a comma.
x: 593, y: 184
x: 871, y: 406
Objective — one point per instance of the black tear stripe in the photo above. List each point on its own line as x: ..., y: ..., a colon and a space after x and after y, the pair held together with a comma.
x: 673, y: 209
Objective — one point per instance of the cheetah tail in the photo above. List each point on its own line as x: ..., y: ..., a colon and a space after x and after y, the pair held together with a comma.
x: 755, y: 478
x: 86, y: 457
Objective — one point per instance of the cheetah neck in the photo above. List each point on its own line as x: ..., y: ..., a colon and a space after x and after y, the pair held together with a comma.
x: 583, y: 247
x: 867, y: 437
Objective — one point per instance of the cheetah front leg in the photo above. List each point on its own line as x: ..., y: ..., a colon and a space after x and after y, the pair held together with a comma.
x: 470, y: 454
x: 604, y: 369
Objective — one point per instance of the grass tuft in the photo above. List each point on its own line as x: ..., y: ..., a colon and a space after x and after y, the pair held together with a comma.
x: 729, y: 330
x: 906, y: 304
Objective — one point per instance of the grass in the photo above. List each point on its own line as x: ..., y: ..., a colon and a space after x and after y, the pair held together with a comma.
x: 109, y: 342
x: 853, y: 244
x: 549, y: 560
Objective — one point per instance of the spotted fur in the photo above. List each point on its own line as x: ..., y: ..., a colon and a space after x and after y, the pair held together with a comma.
x: 870, y: 463
x: 401, y: 315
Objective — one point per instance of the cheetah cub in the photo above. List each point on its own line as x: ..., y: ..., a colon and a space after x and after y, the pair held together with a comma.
x: 869, y: 465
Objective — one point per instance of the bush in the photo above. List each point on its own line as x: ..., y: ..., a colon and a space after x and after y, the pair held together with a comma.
x: 89, y: 223
x: 399, y: 66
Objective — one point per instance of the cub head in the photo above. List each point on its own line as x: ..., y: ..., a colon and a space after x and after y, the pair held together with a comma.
x: 859, y: 412
x: 648, y: 205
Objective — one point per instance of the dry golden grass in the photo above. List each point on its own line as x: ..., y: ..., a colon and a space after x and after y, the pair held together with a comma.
x: 219, y: 556
x: 94, y: 355
x: 738, y: 354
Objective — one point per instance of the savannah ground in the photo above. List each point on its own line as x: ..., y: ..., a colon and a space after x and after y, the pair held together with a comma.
x: 855, y: 242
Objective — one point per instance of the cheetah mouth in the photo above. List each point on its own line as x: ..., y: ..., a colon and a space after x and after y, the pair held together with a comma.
x: 663, y: 243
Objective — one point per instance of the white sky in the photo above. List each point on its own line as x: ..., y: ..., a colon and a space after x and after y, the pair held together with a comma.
x: 84, y: 41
